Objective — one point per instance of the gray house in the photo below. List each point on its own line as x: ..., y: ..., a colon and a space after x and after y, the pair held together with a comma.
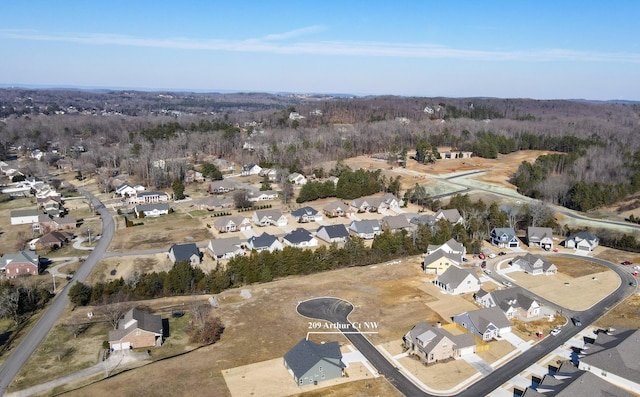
x: 225, y: 248
x: 534, y: 264
x: 456, y: 281
x: 541, y: 237
x: 486, y: 324
x: 185, y: 252
x: 306, y: 215
x: 366, y: 229
x: 333, y: 233
x: 310, y: 363
x: 504, y: 237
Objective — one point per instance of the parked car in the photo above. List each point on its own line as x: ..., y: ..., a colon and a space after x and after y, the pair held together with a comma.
x: 502, y: 253
x: 633, y: 284
x: 487, y: 271
x: 492, y: 255
x: 627, y: 263
x: 482, y: 255
x: 576, y: 321
x: 484, y: 264
x: 507, y: 283
x: 555, y: 331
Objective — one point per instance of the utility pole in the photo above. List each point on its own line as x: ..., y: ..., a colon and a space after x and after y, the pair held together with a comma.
x: 54, y: 282
x: 89, y: 231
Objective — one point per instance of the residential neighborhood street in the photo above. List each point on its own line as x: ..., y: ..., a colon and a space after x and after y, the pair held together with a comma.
x: 32, y: 340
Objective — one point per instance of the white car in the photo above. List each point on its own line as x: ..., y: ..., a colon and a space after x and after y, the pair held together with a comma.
x: 507, y: 283
x: 487, y: 271
x: 492, y: 255
x: 555, y: 331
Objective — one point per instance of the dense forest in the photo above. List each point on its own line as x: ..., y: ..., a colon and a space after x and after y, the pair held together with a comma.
x: 105, y: 133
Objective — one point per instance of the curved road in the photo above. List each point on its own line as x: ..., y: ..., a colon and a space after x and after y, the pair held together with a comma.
x: 32, y: 340
x: 336, y: 311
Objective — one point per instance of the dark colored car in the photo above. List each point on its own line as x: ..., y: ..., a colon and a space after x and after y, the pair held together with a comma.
x: 502, y: 253
x: 484, y: 264
x: 576, y: 321
x: 627, y: 263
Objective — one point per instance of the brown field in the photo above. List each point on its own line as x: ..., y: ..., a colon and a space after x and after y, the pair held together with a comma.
x: 265, y: 326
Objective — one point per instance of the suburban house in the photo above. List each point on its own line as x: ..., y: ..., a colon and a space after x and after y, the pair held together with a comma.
x: 310, y: 363
x: 250, y: 169
x: 541, y: 237
x: 514, y: 302
x: 457, y: 281
x: 220, y: 187
x: 582, y: 242
x: 614, y: 358
x: 262, y: 195
x: 452, y: 216
x: 53, y: 240
x: 300, y: 238
x: 48, y: 203
x: 306, y: 214
x: 366, y: 229
x: 23, y: 263
x: 223, y: 165
x: 215, y: 203
x: 432, y: 344
x: 22, y: 217
x: 395, y: 223
x: 534, y: 264
x: 333, y: 233
x: 504, y: 237
x: 423, y: 219
x: 376, y: 204
x: 264, y: 242
x: 185, y: 252
x: 270, y: 173
x: 452, y: 247
x: 151, y: 210
x: 439, y: 261
x: 337, y: 208
x: 269, y: 217
x: 149, y: 198
x: 225, y: 248
x: 228, y: 224
x: 47, y: 223
x: 488, y: 323
x: 125, y: 190
x: 297, y: 179
x: 193, y: 176
x: 137, y: 329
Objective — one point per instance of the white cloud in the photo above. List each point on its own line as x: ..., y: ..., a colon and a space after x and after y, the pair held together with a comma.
x: 281, y: 43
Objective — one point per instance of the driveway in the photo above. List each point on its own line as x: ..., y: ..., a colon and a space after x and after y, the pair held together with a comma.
x: 516, y: 341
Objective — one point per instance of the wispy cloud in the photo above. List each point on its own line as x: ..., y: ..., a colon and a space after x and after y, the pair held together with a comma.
x: 284, y: 43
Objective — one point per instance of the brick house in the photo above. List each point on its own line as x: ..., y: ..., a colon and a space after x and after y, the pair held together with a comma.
x: 135, y: 330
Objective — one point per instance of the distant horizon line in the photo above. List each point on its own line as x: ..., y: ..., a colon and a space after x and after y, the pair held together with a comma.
x: 227, y: 91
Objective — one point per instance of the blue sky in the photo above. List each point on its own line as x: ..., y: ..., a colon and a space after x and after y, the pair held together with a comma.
x: 534, y: 49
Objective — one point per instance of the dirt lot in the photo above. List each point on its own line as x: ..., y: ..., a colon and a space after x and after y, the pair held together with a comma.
x: 265, y: 326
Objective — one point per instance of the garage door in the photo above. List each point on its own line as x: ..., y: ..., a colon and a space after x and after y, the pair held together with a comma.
x: 121, y: 346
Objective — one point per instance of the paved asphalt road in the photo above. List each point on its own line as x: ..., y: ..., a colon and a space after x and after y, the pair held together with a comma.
x: 336, y: 311
x: 32, y: 340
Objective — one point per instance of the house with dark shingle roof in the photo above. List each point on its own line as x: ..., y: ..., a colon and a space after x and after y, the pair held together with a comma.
x: 306, y: 214
x: 185, y: 252
x: 486, y: 324
x: 151, y: 210
x: 137, y: 329
x: 264, y: 242
x: 333, y: 233
x: 456, y: 281
x: 310, y: 363
x: 53, y: 240
x: 504, y: 237
x: 432, y: 344
x: 300, y: 238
